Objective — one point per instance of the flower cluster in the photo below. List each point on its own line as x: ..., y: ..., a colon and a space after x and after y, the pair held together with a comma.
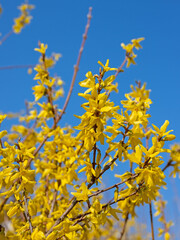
x: 24, y: 18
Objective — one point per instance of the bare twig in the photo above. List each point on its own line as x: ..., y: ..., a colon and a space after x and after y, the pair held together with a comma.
x: 17, y: 66
x: 76, y: 68
x: 124, y: 226
x: 5, y: 37
x: 169, y: 163
x: 122, y: 65
x: 151, y: 217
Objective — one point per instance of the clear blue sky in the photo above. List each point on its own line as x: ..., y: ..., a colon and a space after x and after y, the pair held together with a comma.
x: 61, y: 24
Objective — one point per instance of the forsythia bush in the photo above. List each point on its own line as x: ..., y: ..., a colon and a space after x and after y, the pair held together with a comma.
x: 51, y: 177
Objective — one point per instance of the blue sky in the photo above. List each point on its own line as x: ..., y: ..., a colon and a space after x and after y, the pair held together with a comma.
x: 61, y: 24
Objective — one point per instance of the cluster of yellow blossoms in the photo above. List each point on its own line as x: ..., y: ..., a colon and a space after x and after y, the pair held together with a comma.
x: 24, y: 17
x: 48, y: 172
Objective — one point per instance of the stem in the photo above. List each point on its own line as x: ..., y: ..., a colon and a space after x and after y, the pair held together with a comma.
x: 113, y: 186
x: 76, y: 68
x: 169, y: 163
x: 122, y: 65
x: 124, y: 226
x: 151, y: 217
x: 27, y: 213
x: 17, y: 66
x: 5, y: 37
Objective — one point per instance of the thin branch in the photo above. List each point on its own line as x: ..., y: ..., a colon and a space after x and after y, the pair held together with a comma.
x: 122, y: 65
x: 103, y: 158
x: 5, y: 37
x: 103, y: 171
x: 169, y: 163
x: 3, y: 203
x: 74, y: 202
x: 113, y: 186
x: 150, y: 204
x: 76, y: 68
x: 17, y: 66
x: 151, y: 217
x: 124, y: 226
x: 106, y: 205
x: 53, y: 203
x: 27, y: 213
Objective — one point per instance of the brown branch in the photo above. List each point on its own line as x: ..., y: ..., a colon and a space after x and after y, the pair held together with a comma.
x: 169, y: 163
x: 106, y: 205
x: 30, y: 131
x: 74, y: 202
x: 53, y: 203
x: 27, y: 213
x: 151, y: 217
x: 5, y: 37
x: 124, y: 226
x: 3, y: 203
x: 16, y: 66
x: 122, y: 65
x: 103, y: 158
x: 76, y: 68
x: 113, y: 186
x: 102, y: 172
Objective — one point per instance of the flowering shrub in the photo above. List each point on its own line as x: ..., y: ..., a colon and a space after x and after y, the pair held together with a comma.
x: 51, y: 176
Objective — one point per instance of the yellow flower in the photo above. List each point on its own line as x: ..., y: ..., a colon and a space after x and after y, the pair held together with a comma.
x: 106, y: 67
x: 42, y: 48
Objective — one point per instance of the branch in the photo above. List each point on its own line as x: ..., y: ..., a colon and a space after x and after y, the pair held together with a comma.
x: 27, y: 213
x: 124, y: 226
x: 5, y: 37
x: 74, y: 202
x: 122, y: 65
x: 102, y: 172
x: 113, y: 186
x: 151, y: 217
x: 105, y: 205
x: 16, y: 66
x: 169, y: 163
x: 76, y: 68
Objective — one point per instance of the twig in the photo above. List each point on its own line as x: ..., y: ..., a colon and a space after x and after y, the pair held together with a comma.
x: 53, y: 203
x: 122, y: 65
x: 108, y: 204
x: 124, y: 226
x: 150, y: 204
x: 151, y: 217
x: 3, y: 203
x: 115, y: 185
x: 27, y: 213
x: 103, y: 158
x: 74, y: 202
x: 16, y: 66
x: 169, y: 163
x: 102, y: 172
x: 5, y: 37
x: 76, y: 68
